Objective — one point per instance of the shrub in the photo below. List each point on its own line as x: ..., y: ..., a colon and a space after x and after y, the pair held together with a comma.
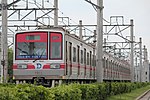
x: 97, y: 91
x: 64, y: 92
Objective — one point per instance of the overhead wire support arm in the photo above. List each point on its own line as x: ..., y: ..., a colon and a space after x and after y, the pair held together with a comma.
x: 9, y: 5
x: 89, y: 1
x: 43, y: 15
x: 32, y: 9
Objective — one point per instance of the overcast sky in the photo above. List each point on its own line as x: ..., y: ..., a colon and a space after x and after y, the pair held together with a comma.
x: 138, y: 10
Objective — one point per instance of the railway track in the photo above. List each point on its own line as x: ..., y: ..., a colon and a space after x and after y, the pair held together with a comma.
x: 144, y: 96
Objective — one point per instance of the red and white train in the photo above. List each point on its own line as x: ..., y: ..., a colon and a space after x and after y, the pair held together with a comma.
x: 55, y: 54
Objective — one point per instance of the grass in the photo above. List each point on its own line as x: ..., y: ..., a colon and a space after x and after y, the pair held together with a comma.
x: 130, y: 96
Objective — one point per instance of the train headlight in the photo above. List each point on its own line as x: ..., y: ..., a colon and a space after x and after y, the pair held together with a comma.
x: 55, y: 66
x: 22, y: 66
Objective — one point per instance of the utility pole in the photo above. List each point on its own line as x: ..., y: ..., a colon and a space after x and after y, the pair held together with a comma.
x: 56, y: 13
x: 132, y: 52
x: 80, y: 29
x: 99, y: 43
x: 140, y: 45
x: 99, y: 52
x: 4, y: 49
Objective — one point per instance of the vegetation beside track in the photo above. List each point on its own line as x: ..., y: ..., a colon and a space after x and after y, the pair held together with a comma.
x: 130, y: 96
x: 66, y: 92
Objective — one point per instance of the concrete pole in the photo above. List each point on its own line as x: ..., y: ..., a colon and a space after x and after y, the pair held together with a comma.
x: 145, y: 53
x: 80, y: 29
x: 4, y: 49
x: 1, y: 67
x: 132, y: 52
x: 140, y: 45
x: 99, y: 52
x: 56, y: 13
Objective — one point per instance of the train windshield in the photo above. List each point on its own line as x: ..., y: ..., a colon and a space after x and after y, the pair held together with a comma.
x: 31, y: 46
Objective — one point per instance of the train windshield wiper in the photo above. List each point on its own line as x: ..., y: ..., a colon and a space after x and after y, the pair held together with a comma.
x: 23, y: 51
x: 39, y: 57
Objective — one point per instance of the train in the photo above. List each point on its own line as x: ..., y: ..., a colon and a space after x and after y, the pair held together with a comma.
x: 54, y: 55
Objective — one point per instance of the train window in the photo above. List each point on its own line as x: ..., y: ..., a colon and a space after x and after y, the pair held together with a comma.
x: 74, y: 54
x: 81, y: 56
x: 66, y: 58
x: 90, y: 63
x: 93, y: 60
x: 115, y: 67
x: 106, y: 63
x: 70, y: 51
x: 78, y: 60
x: 87, y: 58
x: 31, y: 45
x: 70, y: 56
x: 55, y: 46
x: 55, y: 51
x: 145, y: 73
x: 103, y: 62
x: 111, y: 64
x: 33, y: 37
x: 90, y: 58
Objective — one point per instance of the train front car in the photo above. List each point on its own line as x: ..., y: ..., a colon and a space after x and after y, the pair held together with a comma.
x: 38, y: 56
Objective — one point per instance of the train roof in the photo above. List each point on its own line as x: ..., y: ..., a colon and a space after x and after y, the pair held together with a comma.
x: 44, y: 29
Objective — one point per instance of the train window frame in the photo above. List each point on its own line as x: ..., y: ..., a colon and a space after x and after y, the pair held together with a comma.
x: 23, y: 38
x: 56, y: 41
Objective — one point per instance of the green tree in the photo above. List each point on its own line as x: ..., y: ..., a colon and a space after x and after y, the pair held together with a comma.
x: 10, y: 63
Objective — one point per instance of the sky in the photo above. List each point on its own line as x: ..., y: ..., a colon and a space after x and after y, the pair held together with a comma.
x: 138, y: 10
